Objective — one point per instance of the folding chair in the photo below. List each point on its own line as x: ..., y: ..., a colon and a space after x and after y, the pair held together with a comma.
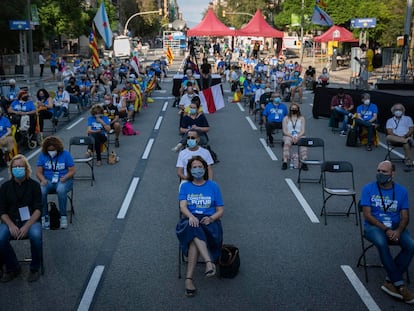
x: 79, y: 155
x: 70, y: 198
x: 315, y: 156
x: 26, y: 258
x: 366, y: 247
x: 338, y: 180
x: 390, y: 150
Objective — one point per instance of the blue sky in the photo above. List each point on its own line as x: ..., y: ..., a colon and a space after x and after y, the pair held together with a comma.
x: 192, y: 10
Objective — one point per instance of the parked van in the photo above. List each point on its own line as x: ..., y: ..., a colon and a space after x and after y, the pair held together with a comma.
x: 122, y: 47
x: 293, y: 42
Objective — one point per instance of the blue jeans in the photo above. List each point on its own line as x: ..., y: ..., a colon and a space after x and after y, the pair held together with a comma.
x: 6, y: 250
x: 370, y: 129
x: 58, y: 111
x: 61, y: 190
x: 345, y: 113
x: 395, y: 267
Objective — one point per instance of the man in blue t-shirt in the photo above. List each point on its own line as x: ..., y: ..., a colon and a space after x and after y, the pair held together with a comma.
x: 385, y: 208
x: 366, y: 117
x: 273, y: 115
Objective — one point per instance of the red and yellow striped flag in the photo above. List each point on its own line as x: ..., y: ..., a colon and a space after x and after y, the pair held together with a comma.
x: 170, y: 54
x: 93, y: 45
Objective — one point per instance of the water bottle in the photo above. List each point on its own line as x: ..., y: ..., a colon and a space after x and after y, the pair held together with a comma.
x: 291, y: 163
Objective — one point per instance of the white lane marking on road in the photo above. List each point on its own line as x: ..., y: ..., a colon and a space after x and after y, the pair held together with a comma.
x: 162, y: 97
x: 164, y: 107
x: 148, y: 149
x: 306, y: 207
x: 240, y: 107
x: 360, y: 288
x: 252, y: 125
x: 1, y: 178
x: 160, y: 91
x: 268, y: 149
x: 33, y: 154
x: 87, y: 297
x: 128, y: 198
x: 158, y: 124
x: 74, y: 123
x: 398, y: 154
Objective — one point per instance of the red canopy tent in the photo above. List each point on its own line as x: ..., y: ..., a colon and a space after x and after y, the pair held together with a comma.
x: 336, y: 33
x: 258, y: 27
x: 210, y: 26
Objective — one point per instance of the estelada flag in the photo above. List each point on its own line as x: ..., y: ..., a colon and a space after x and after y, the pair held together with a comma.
x: 212, y: 99
x: 151, y: 84
x: 170, y: 54
x: 93, y: 45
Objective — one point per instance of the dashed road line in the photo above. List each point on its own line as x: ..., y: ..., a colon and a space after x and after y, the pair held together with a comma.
x: 165, y: 106
x: 398, y: 154
x: 90, y: 290
x: 268, y: 149
x: 158, y: 124
x: 252, y: 125
x: 128, y: 198
x: 74, y: 123
x: 306, y: 207
x: 147, y: 149
x: 360, y: 289
x: 241, y: 107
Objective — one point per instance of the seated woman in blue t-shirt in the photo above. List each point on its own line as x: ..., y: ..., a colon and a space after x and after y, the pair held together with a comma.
x: 199, y: 230
x: 98, y: 127
x: 55, y: 170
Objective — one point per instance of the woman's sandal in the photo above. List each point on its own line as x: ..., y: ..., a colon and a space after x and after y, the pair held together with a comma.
x: 212, y: 272
x: 190, y: 292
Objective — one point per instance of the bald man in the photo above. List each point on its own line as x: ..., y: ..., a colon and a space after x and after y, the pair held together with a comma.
x: 385, y: 208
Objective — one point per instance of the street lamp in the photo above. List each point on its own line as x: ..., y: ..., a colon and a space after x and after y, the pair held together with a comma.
x: 236, y: 13
x: 159, y: 12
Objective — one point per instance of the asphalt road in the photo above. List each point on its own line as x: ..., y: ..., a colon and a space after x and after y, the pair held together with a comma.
x: 121, y: 252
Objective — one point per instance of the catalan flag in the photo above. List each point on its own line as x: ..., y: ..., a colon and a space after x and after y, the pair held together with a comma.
x: 170, y: 54
x: 93, y: 45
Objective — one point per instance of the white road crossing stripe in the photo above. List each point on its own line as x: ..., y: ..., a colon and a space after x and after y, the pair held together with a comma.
x: 128, y: 198
x: 148, y: 149
x: 360, y: 289
x: 268, y: 149
x: 74, y: 123
x: 87, y: 297
x: 252, y: 125
x: 165, y: 106
x: 158, y: 124
x: 400, y: 155
x: 306, y: 207
x: 240, y: 107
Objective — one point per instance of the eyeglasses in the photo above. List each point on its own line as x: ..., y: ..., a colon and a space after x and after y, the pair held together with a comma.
x: 191, y: 137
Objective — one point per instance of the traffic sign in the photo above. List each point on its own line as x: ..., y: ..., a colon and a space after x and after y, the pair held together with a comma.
x: 369, y: 22
x: 19, y: 25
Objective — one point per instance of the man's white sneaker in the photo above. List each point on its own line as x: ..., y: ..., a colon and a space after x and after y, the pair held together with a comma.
x: 63, y: 222
x: 45, y: 223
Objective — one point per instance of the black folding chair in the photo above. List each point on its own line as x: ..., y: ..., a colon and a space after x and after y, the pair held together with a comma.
x: 316, y: 156
x: 78, y: 146
x: 338, y: 181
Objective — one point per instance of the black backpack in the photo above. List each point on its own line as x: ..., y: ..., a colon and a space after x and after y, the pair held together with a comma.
x: 54, y: 216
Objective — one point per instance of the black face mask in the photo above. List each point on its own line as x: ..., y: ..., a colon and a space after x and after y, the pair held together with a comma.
x: 25, y: 98
x: 294, y: 111
x: 383, y: 179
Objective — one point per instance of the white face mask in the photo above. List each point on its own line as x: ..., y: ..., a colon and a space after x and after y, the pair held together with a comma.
x: 52, y: 153
x: 367, y: 102
x: 398, y: 113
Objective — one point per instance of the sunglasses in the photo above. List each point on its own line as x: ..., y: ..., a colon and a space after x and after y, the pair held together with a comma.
x: 191, y: 137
